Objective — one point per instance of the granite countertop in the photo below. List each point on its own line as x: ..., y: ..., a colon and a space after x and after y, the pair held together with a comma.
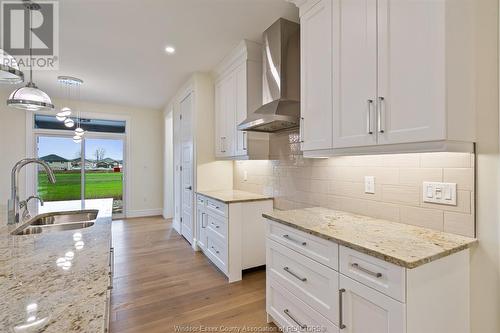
x: 234, y: 196
x: 40, y: 296
x: 401, y: 244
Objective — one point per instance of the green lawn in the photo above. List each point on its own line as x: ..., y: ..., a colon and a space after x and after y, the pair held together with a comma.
x: 68, y: 186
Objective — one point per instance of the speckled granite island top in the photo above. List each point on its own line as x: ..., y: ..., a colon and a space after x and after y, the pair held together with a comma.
x: 397, y: 243
x: 234, y: 196
x: 37, y: 294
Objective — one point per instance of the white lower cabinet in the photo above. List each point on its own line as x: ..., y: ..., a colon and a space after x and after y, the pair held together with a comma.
x: 309, y: 291
x: 232, y: 235
x: 366, y: 310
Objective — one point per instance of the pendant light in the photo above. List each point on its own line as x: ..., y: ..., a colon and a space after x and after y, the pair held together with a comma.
x: 9, y: 70
x: 30, y: 98
x: 72, y: 88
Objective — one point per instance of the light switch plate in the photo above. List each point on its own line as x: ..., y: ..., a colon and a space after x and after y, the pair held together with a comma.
x: 370, y: 184
x: 440, y: 193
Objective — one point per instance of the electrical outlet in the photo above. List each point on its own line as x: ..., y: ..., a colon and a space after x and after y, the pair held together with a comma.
x: 440, y: 193
x: 370, y: 184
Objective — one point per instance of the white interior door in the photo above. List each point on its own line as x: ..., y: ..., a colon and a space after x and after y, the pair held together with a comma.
x: 412, y: 70
x: 354, y: 72
x: 187, y: 197
x: 365, y: 310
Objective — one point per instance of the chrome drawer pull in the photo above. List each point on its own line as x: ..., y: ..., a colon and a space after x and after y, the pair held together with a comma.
x: 215, y: 250
x: 294, y: 240
x: 286, y: 269
x: 380, y: 121
x: 287, y: 312
x: 369, y: 117
x: 367, y: 271
x: 341, y: 310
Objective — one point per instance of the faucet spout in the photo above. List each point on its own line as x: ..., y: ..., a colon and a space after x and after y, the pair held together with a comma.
x: 14, y: 202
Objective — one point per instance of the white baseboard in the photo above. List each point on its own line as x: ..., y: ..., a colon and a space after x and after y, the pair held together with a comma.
x: 176, y: 225
x: 144, y: 212
x: 167, y: 214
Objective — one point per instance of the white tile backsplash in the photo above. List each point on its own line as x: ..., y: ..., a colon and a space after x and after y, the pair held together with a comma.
x: 338, y: 183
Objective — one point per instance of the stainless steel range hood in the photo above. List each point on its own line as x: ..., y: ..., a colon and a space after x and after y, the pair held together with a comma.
x: 281, y: 81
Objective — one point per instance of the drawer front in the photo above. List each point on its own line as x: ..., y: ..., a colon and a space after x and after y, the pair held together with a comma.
x: 385, y: 277
x: 201, y: 201
x: 217, y: 251
x: 313, y: 283
x: 293, y: 315
x: 321, y: 250
x: 217, y: 207
x: 217, y: 225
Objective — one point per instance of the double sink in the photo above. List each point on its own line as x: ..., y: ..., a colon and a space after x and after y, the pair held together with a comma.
x: 57, y: 221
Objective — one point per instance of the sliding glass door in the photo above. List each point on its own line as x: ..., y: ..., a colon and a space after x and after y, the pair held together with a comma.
x: 92, y: 169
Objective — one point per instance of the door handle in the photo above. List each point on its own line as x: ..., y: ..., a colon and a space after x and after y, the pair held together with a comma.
x: 341, y: 311
x: 188, y: 188
x: 369, y: 117
x: 380, y: 121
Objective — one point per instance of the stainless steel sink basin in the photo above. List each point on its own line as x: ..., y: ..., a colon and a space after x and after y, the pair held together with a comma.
x: 65, y: 217
x: 58, y: 221
x: 30, y: 230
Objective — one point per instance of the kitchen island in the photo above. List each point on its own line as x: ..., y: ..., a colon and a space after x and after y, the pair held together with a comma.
x: 57, y: 281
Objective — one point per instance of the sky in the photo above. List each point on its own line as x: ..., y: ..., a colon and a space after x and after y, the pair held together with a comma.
x: 65, y: 147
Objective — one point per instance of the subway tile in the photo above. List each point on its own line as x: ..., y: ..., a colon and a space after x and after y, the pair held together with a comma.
x: 375, y: 209
x: 415, y: 176
x: 408, y: 195
x: 457, y: 223
x: 445, y: 160
x: 354, y: 190
x: 464, y: 177
x: 427, y: 218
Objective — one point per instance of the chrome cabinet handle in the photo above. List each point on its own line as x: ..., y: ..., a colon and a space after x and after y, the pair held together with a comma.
x: 380, y: 121
x: 244, y: 140
x: 202, y: 220
x: 369, y: 117
x: 301, y: 130
x: 286, y: 269
x: 222, y: 144
x: 287, y: 312
x: 367, y: 271
x: 215, y: 250
x: 294, y: 240
x: 341, y: 311
x: 213, y: 206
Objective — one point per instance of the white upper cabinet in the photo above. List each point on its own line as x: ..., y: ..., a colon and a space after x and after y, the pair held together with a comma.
x: 238, y: 92
x: 355, y: 72
x: 316, y: 76
x: 411, y: 71
x: 386, y: 76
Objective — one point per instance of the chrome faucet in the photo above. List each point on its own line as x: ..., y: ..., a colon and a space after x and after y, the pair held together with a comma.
x: 14, y: 205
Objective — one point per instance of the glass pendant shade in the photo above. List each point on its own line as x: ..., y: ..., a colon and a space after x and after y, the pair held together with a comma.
x: 79, y: 131
x: 60, y: 118
x: 63, y: 114
x: 69, y: 123
x: 77, y: 139
x: 9, y: 70
x: 30, y: 98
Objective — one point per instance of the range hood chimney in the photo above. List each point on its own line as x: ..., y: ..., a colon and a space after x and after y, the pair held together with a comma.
x: 281, y: 81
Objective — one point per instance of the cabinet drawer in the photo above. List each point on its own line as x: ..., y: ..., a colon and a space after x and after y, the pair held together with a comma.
x: 293, y: 315
x: 201, y: 201
x: 385, y: 277
x: 217, y: 251
x: 316, y: 248
x: 217, y: 207
x: 313, y: 283
x: 217, y: 224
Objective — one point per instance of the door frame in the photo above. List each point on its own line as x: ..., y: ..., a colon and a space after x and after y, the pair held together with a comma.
x: 32, y: 133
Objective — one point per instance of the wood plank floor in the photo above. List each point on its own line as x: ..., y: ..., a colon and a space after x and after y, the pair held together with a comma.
x: 162, y: 285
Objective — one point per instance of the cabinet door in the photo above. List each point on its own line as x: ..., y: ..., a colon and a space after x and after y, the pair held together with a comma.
x: 219, y: 119
x: 241, y: 109
x: 411, y: 63
x: 316, y: 77
x: 354, y: 72
x: 365, y: 310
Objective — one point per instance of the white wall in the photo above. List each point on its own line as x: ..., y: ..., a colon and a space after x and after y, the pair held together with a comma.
x: 145, y: 160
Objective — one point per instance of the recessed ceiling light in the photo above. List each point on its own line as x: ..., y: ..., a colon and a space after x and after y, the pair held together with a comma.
x: 170, y: 49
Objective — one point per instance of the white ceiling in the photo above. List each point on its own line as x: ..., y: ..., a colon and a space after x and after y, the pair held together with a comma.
x: 117, y: 46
